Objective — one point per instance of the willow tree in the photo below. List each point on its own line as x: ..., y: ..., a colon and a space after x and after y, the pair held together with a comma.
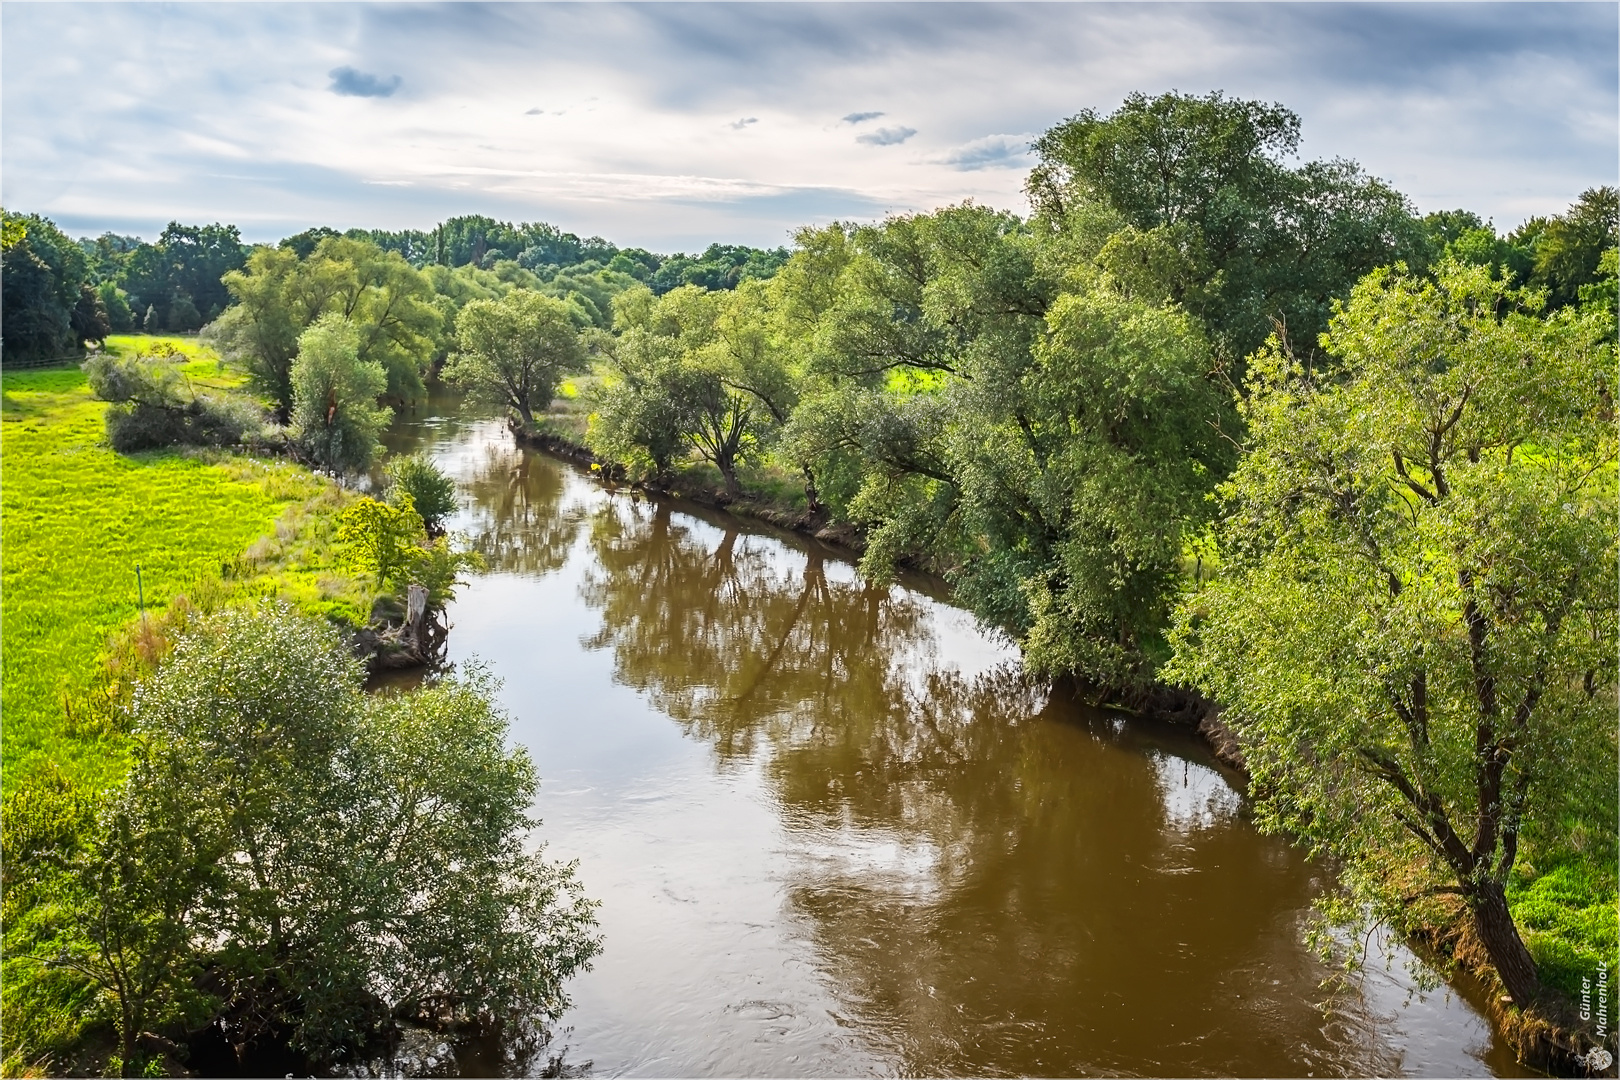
x: 335, y: 417
x: 513, y: 352
x: 1414, y: 628
x: 279, y: 296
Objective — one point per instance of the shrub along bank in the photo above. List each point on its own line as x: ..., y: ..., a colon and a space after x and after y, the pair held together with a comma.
x: 211, y: 531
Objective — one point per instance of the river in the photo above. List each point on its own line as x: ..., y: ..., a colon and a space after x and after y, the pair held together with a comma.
x: 834, y: 833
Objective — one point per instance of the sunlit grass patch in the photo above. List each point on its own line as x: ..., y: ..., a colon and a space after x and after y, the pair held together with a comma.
x: 76, y: 519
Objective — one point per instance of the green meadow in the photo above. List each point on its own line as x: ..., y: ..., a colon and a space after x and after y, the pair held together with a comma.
x: 77, y: 519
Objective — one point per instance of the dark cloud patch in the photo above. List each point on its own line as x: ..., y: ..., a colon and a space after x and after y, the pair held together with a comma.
x: 888, y: 136
x: 351, y: 82
x: 990, y: 152
x: 861, y: 117
x: 537, y: 111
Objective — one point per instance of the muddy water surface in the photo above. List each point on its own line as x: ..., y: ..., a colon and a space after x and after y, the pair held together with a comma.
x: 834, y: 834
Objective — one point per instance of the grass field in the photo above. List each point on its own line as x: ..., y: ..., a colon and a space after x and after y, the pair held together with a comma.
x: 76, y: 519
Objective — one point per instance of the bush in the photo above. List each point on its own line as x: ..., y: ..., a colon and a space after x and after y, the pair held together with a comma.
x: 386, y: 540
x: 299, y: 863
x: 431, y: 491
x: 152, y: 406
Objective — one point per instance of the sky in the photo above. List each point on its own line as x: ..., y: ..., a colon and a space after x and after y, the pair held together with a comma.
x: 671, y: 126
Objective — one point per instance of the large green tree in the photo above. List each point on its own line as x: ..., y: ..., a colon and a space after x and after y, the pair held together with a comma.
x: 42, y: 275
x: 1414, y: 626
x: 513, y: 352
x: 390, y: 305
x: 1568, y: 249
x: 974, y: 392
x: 689, y: 370
x: 181, y: 275
x: 1209, y: 206
x: 335, y: 417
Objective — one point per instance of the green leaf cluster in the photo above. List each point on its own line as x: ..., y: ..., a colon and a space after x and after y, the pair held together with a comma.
x: 1414, y: 624
x: 292, y: 860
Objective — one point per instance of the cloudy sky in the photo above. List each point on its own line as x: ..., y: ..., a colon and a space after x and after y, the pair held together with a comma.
x: 671, y: 125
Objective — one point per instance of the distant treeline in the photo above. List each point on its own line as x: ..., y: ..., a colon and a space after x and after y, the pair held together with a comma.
x: 61, y: 292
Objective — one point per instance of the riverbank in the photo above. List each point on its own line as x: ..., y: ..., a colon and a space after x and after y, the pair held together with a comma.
x: 1548, y: 1037
x: 107, y: 558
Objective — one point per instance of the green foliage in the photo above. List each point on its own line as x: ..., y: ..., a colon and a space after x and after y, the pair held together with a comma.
x: 12, y: 231
x: 514, y: 351
x: 438, y: 566
x: 690, y: 370
x: 77, y: 519
x: 334, y: 392
x: 180, y: 277
x: 1237, y: 237
x: 340, y: 860
x: 721, y: 266
x: 260, y: 332
x: 115, y: 302
x: 279, y: 296
x: 1414, y: 622
x: 153, y: 404
x: 1569, y: 249
x: 431, y: 492
x: 386, y: 541
x: 41, y: 276
x: 376, y: 538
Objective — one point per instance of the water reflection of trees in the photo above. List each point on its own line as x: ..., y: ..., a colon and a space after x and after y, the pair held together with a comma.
x: 519, y: 520
x: 728, y: 644
x: 996, y: 880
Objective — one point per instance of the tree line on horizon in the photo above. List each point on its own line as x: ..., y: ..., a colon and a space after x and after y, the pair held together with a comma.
x: 61, y: 293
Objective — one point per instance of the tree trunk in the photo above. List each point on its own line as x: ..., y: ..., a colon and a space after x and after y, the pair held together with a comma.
x: 812, y: 497
x: 1494, y: 924
x: 729, y: 471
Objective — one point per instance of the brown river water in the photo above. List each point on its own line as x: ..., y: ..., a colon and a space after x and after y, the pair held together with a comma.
x: 834, y: 834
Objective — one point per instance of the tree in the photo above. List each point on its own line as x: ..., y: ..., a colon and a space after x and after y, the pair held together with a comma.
x: 377, y: 537
x: 1414, y: 627
x: 677, y: 379
x: 335, y: 417
x: 89, y: 318
x: 514, y: 351
x: 1570, y: 247
x: 187, y: 263
x: 337, y: 862
x: 115, y: 302
x: 389, y: 303
x: 1238, y: 238
x: 41, y: 273
x: 261, y: 329
x: 640, y: 412
x: 153, y: 405
x: 278, y: 296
